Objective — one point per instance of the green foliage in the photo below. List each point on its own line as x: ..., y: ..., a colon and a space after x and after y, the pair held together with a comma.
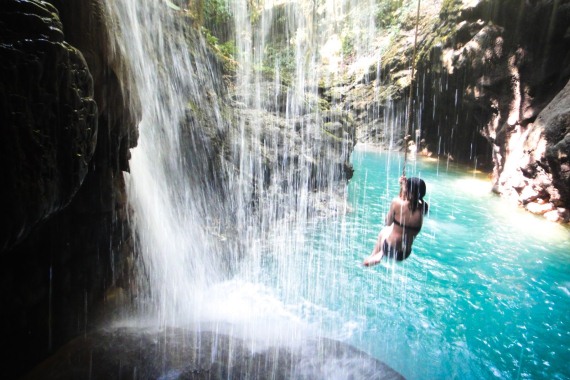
x: 280, y: 57
x: 228, y: 49
x: 224, y: 51
x: 388, y: 12
x: 210, y: 16
x: 216, y: 12
x: 210, y: 38
x: 347, y: 41
x: 255, y: 8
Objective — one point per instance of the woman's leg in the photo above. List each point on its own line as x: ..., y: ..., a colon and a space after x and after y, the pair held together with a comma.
x: 378, y: 251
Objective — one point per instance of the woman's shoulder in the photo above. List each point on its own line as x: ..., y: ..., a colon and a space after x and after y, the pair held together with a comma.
x: 399, y: 201
x: 396, y: 202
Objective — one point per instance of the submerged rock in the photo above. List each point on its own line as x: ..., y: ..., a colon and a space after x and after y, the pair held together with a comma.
x: 130, y: 353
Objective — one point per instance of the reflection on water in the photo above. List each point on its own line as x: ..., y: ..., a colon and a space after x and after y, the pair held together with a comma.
x: 485, y: 293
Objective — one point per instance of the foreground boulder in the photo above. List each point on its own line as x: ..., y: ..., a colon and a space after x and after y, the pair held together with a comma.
x: 127, y: 353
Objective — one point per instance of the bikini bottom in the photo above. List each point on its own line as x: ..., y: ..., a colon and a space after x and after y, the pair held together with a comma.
x: 393, y: 253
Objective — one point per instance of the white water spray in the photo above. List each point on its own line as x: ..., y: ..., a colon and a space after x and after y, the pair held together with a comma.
x: 175, y: 205
x: 280, y: 169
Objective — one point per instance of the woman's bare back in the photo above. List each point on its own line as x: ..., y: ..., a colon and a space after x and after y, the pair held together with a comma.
x: 407, y: 224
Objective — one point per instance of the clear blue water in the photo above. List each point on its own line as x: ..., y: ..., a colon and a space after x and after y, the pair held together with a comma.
x: 485, y: 294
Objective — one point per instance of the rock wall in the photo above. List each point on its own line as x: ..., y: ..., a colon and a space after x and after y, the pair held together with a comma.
x: 49, y: 118
x: 503, y: 63
x: 486, y: 70
x: 64, y: 239
x: 536, y: 170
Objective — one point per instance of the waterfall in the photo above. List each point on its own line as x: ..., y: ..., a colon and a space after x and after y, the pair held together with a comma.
x: 176, y: 206
x: 223, y: 244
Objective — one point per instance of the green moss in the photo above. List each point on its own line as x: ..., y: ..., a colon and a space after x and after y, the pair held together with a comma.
x: 450, y: 9
x: 331, y: 136
x: 388, y: 13
x: 449, y: 14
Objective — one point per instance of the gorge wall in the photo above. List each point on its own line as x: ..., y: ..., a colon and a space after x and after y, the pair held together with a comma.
x: 503, y: 67
x: 489, y: 92
x: 65, y: 142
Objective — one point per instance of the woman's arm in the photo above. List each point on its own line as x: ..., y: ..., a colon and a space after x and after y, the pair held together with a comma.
x: 390, y: 215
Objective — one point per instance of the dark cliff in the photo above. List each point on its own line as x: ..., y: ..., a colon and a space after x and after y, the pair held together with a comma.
x: 64, y: 146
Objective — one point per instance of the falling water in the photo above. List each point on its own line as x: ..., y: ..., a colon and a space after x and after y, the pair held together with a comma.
x: 175, y: 200
x: 290, y: 174
x: 203, y: 232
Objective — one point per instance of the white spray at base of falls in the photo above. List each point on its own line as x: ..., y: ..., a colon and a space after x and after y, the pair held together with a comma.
x: 179, y: 214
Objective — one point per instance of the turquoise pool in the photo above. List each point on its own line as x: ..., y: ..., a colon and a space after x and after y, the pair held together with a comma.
x: 485, y: 294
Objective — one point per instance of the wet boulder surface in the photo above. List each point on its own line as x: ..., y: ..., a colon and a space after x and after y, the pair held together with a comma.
x: 175, y: 353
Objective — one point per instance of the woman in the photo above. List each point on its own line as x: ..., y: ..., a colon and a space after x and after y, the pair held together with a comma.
x: 404, y: 222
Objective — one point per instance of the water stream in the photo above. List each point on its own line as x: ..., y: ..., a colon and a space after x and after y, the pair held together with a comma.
x: 484, y: 294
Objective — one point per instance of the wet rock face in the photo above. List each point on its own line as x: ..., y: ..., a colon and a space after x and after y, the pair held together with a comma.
x: 536, y: 170
x: 557, y: 134
x: 64, y: 237
x: 498, y: 72
x: 503, y: 63
x: 178, y: 354
x: 49, y: 117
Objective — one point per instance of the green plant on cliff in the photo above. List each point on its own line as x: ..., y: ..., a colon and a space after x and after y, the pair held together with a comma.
x: 216, y: 12
x: 255, y: 7
x: 347, y: 41
x: 280, y: 57
x: 448, y: 15
x: 211, y: 17
x: 224, y: 51
x: 387, y: 13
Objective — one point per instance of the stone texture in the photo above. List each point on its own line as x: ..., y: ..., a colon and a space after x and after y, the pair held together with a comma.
x: 64, y: 146
x: 49, y: 118
x: 536, y: 172
x: 178, y: 354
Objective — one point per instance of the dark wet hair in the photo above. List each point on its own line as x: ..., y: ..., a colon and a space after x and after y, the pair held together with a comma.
x: 416, y: 190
